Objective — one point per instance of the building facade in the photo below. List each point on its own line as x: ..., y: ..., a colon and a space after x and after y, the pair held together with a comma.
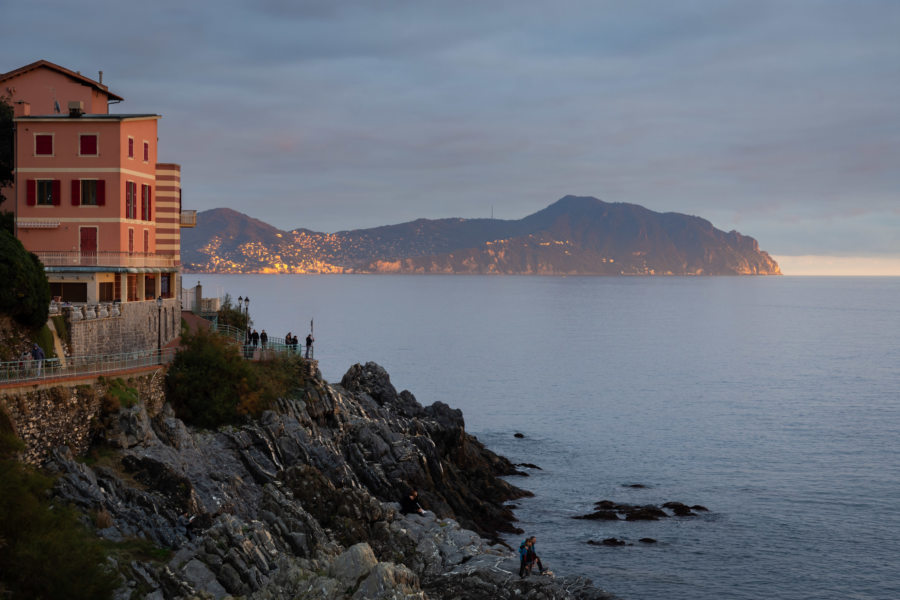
x: 92, y: 201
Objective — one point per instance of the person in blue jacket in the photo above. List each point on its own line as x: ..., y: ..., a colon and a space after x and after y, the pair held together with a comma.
x: 528, y: 556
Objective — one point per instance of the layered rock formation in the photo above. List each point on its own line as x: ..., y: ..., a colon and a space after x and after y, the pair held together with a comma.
x: 301, y: 503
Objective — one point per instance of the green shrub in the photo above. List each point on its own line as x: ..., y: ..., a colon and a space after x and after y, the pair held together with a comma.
x: 44, y: 339
x: 45, y: 552
x: 25, y: 293
x: 62, y: 327
x: 210, y: 384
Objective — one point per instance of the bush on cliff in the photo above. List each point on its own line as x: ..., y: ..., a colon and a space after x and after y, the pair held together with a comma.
x: 25, y: 293
x: 44, y: 551
x: 210, y: 384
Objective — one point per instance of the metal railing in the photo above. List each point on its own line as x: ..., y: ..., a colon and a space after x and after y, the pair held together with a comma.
x: 30, y: 370
x: 272, y: 347
x: 74, y: 258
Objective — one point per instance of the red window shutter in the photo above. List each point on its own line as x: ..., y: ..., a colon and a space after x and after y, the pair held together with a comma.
x: 57, y: 192
x: 130, y: 147
x: 101, y: 192
x: 31, y: 192
x: 149, y: 205
x: 146, y: 151
x: 43, y: 145
x: 88, y: 145
x: 76, y: 192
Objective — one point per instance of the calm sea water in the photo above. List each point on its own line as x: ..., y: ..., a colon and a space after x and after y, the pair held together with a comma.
x: 775, y: 402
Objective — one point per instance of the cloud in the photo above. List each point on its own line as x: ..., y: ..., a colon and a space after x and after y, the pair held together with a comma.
x: 776, y: 117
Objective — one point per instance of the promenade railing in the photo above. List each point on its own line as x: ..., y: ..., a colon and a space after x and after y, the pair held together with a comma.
x: 30, y: 370
x: 272, y: 346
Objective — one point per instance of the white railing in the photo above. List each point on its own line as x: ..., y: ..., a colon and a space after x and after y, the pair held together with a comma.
x: 105, y: 259
x: 30, y: 370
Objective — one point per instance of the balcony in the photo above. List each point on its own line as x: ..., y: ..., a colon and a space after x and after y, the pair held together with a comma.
x: 189, y: 218
x: 107, y: 259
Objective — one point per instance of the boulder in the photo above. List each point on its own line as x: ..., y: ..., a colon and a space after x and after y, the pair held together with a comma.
x: 354, y: 564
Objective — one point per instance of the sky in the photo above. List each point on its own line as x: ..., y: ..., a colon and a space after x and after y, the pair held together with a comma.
x: 777, y: 118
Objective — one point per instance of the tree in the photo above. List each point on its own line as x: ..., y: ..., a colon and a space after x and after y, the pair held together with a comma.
x: 25, y: 292
x: 6, y: 159
x: 44, y: 551
x: 209, y: 382
x: 232, y: 315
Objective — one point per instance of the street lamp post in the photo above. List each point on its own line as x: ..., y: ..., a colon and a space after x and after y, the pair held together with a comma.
x: 159, y: 328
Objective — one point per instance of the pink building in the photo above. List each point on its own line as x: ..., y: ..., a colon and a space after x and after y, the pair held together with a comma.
x: 91, y: 199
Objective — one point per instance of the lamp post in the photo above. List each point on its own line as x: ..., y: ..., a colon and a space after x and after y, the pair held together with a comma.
x: 159, y: 328
x: 247, y: 304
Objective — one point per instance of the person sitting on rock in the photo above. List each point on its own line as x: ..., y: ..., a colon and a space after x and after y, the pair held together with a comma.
x: 528, y: 556
x: 410, y: 503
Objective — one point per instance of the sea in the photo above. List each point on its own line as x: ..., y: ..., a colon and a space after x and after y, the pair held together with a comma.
x: 772, y: 401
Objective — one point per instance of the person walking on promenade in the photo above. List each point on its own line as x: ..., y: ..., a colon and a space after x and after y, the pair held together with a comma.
x: 255, y: 339
x: 263, y: 339
x: 309, y: 342
x: 38, y: 355
x: 294, y: 344
x: 287, y: 341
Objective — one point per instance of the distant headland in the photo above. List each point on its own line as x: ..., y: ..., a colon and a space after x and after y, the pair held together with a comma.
x: 575, y: 235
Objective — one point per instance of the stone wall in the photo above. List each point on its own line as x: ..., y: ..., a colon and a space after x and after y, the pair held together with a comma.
x: 136, y: 328
x: 46, y: 417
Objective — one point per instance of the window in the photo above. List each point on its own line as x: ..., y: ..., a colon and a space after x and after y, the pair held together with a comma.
x: 106, y: 291
x: 43, y: 144
x: 131, y: 147
x: 87, y: 144
x: 149, y: 287
x: 146, y: 151
x: 146, y: 242
x: 165, y: 285
x: 131, y: 240
x: 130, y: 200
x: 88, y: 192
x: 145, y: 202
x: 47, y: 192
x: 132, y: 287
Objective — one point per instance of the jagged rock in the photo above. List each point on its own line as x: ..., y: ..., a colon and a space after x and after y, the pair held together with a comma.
x: 519, y: 435
x: 354, y: 564
x: 388, y: 581
x: 647, y: 540
x: 277, y: 502
x: 128, y: 427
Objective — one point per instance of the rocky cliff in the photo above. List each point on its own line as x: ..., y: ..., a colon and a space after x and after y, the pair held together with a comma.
x: 302, y: 502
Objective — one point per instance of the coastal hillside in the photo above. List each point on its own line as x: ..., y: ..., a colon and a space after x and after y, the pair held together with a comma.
x: 302, y: 503
x: 573, y: 236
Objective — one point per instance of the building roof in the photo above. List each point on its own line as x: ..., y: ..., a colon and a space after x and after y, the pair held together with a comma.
x: 89, y: 117
x: 71, y: 74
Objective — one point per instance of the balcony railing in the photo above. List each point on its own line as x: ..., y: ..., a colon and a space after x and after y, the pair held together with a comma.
x: 189, y: 218
x: 106, y: 259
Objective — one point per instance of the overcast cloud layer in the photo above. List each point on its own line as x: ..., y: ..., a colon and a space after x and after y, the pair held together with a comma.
x: 780, y: 119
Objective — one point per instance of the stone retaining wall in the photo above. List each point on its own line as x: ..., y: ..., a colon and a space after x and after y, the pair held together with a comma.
x: 45, y: 417
x: 138, y: 327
